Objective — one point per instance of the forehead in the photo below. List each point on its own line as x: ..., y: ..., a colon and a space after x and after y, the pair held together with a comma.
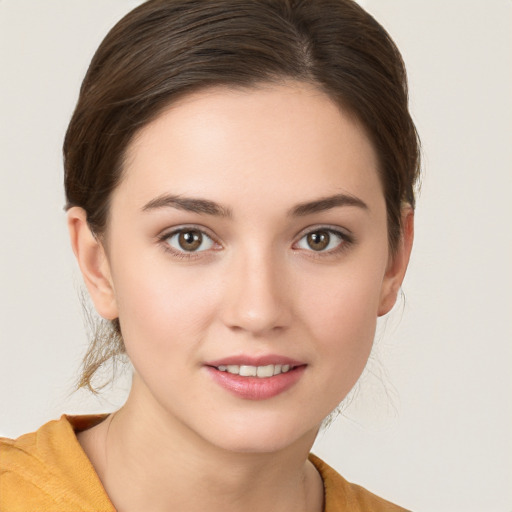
x: 290, y: 141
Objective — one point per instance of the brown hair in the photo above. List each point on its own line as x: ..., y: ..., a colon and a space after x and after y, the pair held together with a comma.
x: 165, y: 49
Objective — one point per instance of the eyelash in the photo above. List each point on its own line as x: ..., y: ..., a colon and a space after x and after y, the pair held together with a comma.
x: 184, y: 255
x: 346, y: 241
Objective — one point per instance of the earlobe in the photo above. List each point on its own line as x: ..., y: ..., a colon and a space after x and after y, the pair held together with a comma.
x: 397, y: 265
x: 93, y: 263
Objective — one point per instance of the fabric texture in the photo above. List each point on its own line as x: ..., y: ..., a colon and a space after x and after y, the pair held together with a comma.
x: 47, y: 471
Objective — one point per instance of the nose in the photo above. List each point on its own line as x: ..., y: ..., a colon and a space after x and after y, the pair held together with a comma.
x: 257, y: 297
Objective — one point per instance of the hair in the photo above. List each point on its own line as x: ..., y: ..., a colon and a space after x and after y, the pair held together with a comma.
x: 165, y: 49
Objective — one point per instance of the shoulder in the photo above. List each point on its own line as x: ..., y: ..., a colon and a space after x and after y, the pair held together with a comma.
x: 48, y: 470
x: 341, y: 495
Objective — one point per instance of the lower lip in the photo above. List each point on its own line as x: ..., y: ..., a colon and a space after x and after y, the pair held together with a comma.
x: 255, y: 388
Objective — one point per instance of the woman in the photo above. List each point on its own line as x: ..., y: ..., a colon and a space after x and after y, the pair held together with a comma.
x: 240, y: 185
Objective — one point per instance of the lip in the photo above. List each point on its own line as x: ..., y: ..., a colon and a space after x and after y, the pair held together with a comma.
x: 255, y: 360
x: 256, y: 388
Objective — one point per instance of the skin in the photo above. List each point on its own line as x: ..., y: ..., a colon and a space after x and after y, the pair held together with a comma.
x: 258, y: 288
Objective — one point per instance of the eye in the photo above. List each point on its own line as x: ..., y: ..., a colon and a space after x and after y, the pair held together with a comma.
x: 322, y: 240
x: 189, y: 240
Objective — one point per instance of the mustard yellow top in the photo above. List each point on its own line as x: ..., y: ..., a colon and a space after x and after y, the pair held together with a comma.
x: 47, y: 471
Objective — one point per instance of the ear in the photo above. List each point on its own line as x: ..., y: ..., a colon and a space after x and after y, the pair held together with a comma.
x: 397, y: 264
x: 93, y: 262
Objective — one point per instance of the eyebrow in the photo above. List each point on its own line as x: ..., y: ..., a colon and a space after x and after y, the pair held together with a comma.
x: 207, y: 207
x: 201, y: 206
x: 326, y: 203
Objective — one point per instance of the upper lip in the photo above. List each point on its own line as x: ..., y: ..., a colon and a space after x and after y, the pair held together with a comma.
x: 246, y: 360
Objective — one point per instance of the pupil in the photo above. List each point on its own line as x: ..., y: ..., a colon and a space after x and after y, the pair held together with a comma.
x: 318, y: 240
x: 190, y: 240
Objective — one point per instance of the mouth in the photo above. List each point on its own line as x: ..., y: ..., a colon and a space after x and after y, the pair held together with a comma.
x: 256, y: 378
x: 261, y: 372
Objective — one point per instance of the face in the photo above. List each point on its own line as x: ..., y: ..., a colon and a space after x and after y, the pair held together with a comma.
x: 247, y: 260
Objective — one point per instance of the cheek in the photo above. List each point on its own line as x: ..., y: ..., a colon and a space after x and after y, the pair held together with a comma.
x: 343, y: 317
x: 162, y: 307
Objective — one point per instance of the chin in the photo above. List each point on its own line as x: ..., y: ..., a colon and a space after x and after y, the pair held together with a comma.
x: 260, y: 435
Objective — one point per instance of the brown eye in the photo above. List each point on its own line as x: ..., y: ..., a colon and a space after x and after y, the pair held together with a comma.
x: 323, y: 240
x: 318, y: 240
x: 190, y: 240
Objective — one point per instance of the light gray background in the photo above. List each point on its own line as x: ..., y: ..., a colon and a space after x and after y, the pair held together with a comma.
x: 431, y: 427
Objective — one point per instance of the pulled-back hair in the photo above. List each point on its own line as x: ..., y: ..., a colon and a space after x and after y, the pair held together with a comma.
x: 165, y: 49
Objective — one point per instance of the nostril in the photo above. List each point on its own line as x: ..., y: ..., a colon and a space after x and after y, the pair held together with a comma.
x: 255, y: 299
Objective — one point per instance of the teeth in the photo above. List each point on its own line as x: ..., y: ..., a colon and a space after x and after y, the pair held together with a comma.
x: 255, y: 371
x: 248, y: 371
x: 265, y: 371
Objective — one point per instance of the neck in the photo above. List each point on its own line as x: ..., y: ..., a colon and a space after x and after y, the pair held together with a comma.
x: 149, y: 464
